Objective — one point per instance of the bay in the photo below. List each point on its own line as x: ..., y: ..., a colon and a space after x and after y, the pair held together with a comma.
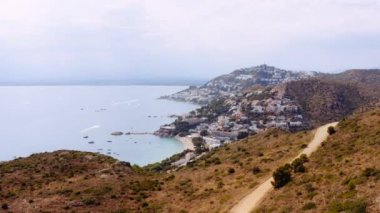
x: 38, y: 119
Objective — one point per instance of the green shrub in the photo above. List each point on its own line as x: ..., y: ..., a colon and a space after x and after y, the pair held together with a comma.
x: 282, y: 176
x: 298, y: 166
x: 353, y: 206
x: 4, y: 206
x: 369, y: 172
x: 331, y: 130
x: 304, y: 158
x: 90, y: 201
x: 120, y: 211
x: 231, y: 170
x: 309, y: 206
x: 256, y: 170
x: 309, y: 188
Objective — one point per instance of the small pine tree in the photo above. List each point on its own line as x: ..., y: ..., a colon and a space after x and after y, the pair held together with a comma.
x: 331, y: 130
x: 282, y: 176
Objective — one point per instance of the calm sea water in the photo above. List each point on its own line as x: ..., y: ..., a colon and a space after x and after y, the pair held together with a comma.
x: 47, y: 118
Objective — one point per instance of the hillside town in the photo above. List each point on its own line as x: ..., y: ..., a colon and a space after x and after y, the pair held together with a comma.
x: 237, y: 81
x: 236, y: 117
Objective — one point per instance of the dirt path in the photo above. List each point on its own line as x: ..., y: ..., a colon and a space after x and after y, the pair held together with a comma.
x: 253, y: 199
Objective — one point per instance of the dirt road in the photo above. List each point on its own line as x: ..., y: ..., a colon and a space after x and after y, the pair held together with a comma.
x: 253, y: 199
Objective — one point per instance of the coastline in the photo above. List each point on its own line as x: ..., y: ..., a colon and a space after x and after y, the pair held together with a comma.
x: 186, y: 142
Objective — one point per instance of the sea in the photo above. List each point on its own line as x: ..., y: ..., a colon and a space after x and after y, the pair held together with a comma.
x: 35, y: 119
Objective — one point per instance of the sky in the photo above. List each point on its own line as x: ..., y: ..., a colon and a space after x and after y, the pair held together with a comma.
x: 138, y: 40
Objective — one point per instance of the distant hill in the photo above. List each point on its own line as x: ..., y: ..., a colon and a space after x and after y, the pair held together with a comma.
x: 237, y: 81
x: 331, y: 97
x: 323, y: 101
x: 367, y: 81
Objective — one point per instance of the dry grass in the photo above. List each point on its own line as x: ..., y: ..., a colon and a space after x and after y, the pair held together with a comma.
x: 209, y: 184
x: 343, y: 175
x: 71, y: 181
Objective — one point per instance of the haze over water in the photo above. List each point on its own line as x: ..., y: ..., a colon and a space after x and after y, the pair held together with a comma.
x: 48, y: 118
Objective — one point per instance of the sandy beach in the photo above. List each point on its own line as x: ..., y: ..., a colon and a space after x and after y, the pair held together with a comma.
x: 186, y: 142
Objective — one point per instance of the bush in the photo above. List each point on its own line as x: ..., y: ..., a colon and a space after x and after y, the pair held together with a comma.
x: 304, y: 158
x: 309, y: 206
x: 298, y: 166
x: 331, y: 130
x: 5, y: 206
x: 90, y: 201
x: 309, y: 188
x: 282, y: 176
x: 356, y: 206
x: 120, y: 211
x: 231, y: 170
x: 256, y: 170
x: 368, y: 172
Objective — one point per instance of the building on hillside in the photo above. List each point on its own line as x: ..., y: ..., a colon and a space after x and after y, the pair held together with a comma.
x: 212, y: 143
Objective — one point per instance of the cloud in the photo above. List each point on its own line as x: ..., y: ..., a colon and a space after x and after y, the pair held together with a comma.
x: 124, y: 38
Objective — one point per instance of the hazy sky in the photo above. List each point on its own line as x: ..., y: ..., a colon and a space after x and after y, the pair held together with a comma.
x: 49, y: 40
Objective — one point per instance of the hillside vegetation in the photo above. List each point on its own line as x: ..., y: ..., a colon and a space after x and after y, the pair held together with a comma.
x: 325, y: 101
x: 342, y: 176
x: 367, y: 81
x: 66, y: 181
x: 330, y: 97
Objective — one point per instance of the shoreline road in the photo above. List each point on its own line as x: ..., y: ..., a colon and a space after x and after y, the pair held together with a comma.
x: 253, y: 199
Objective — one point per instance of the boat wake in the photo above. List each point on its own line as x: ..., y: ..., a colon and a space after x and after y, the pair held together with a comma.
x: 90, y: 128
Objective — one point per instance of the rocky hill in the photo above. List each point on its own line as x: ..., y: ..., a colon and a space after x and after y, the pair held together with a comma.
x: 236, y: 82
x: 367, y: 81
x: 331, y: 97
x: 323, y: 101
